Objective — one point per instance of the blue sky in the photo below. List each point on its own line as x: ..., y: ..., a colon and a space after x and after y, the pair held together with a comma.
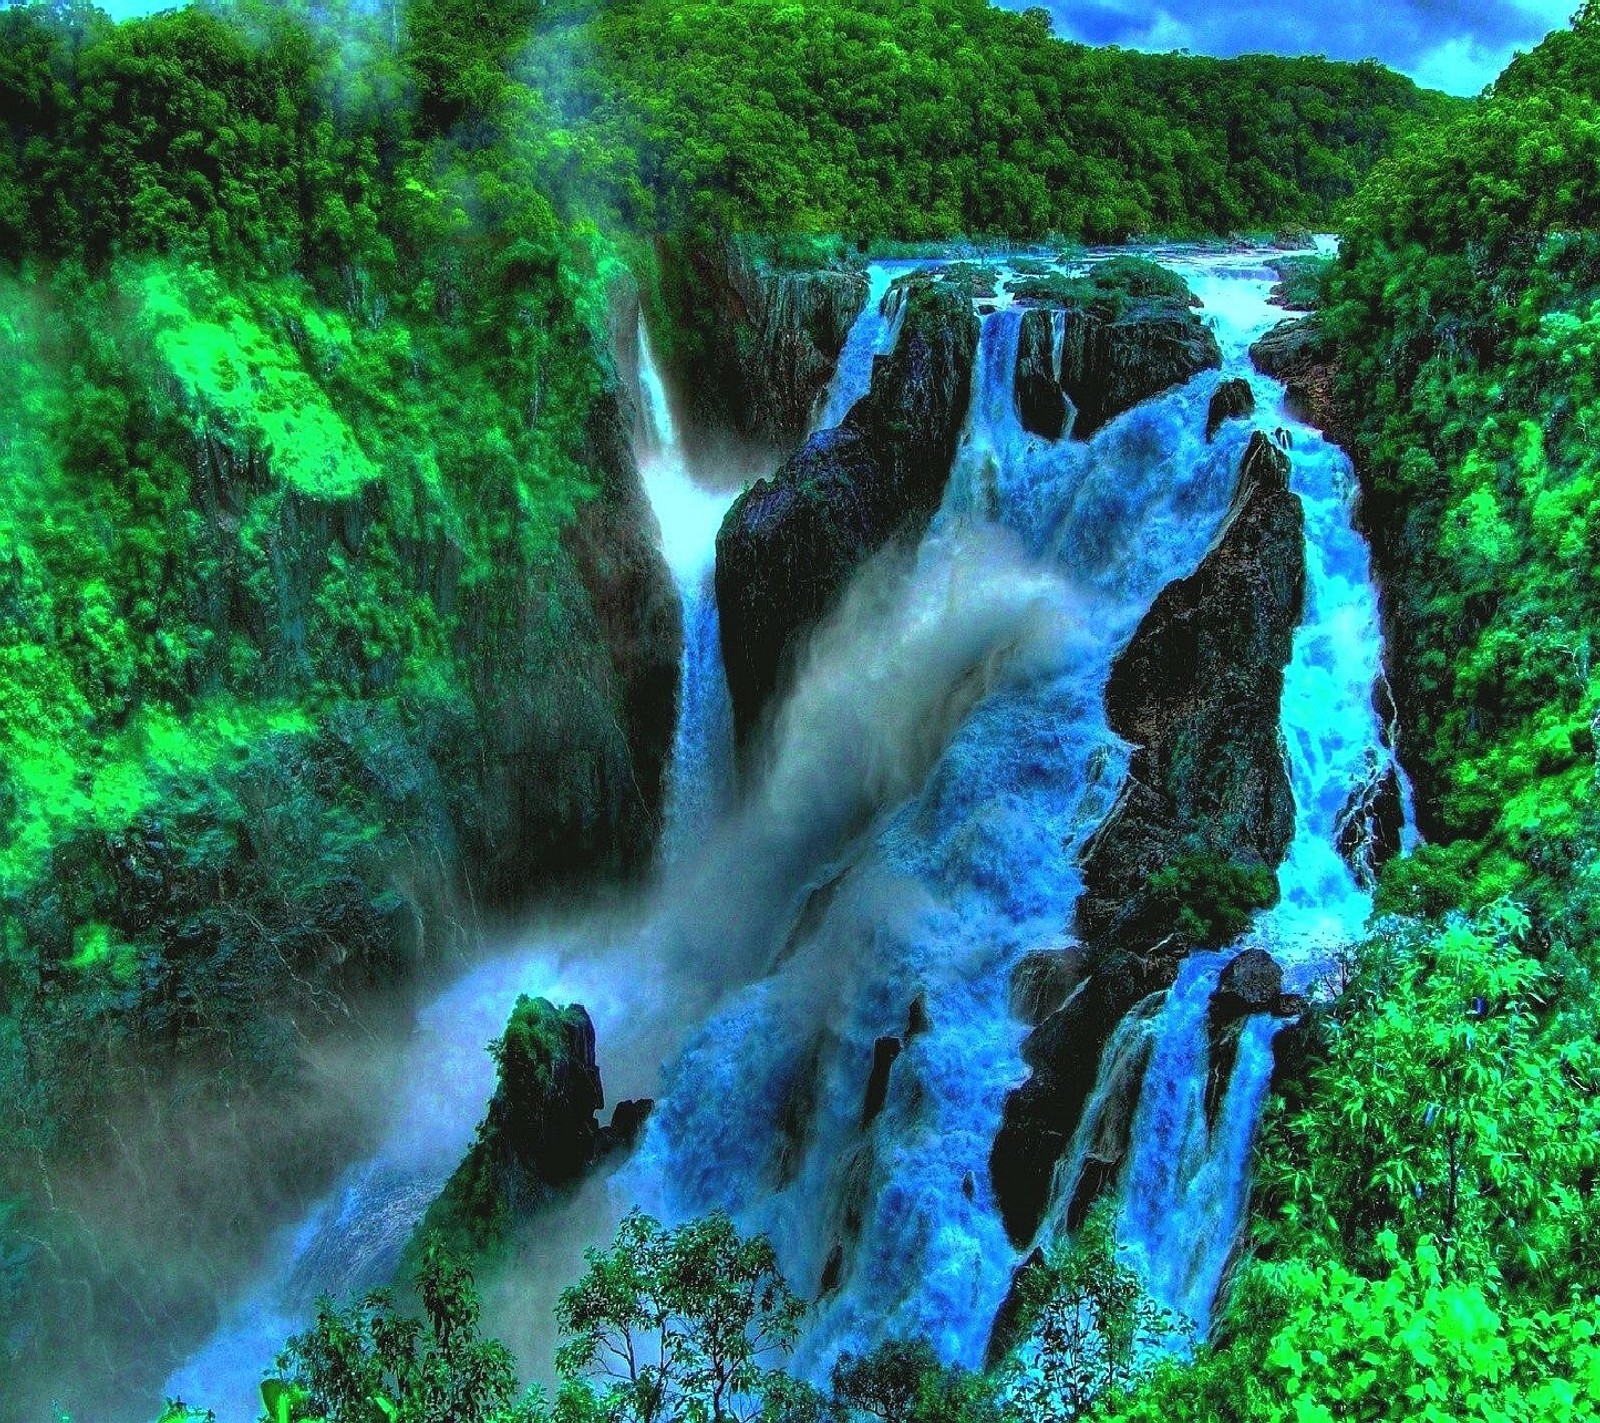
x: 1457, y: 45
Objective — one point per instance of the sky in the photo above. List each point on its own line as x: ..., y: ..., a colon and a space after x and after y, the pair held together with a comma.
x: 1455, y: 45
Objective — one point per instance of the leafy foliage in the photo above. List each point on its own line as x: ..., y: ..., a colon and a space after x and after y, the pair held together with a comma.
x: 372, y: 1364
x: 919, y: 121
x: 680, y: 1324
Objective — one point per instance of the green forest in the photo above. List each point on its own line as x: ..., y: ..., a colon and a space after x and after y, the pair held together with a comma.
x: 319, y: 530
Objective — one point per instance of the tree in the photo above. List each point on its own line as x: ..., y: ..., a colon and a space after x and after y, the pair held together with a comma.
x: 371, y: 1364
x: 1092, y: 1328
x: 680, y: 1324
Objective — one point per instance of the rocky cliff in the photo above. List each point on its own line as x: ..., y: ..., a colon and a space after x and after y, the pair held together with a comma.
x: 790, y: 543
x: 540, y: 1137
x: 753, y: 339
x: 1102, y: 343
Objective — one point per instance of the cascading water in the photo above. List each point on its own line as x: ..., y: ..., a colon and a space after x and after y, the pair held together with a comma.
x: 1186, y: 1184
x: 872, y: 335
x: 886, y: 1212
x: 910, y: 836
x: 700, y: 775
x: 350, y: 1241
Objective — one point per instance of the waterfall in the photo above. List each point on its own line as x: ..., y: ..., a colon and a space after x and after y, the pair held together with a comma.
x: 872, y: 334
x: 1185, y: 1185
x: 934, y: 903
x: 700, y: 772
x: 909, y: 836
x: 889, y: 1218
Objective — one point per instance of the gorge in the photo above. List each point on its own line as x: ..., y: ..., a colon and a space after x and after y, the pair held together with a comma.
x: 901, y: 855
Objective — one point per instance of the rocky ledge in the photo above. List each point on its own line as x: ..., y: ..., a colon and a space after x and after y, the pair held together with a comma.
x: 540, y: 1138
x: 761, y: 336
x: 1128, y: 331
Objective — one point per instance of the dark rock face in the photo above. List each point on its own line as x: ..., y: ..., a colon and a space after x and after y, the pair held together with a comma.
x: 1234, y: 400
x: 1110, y: 364
x: 1064, y: 1054
x: 1042, y: 982
x: 1371, y: 823
x: 1296, y: 353
x: 1198, y: 692
x: 1006, y: 1332
x: 539, y: 1138
x: 626, y: 596
x: 1041, y: 403
x: 1251, y: 983
x: 764, y: 341
x: 791, y: 543
x: 884, y: 1052
x: 1112, y: 1129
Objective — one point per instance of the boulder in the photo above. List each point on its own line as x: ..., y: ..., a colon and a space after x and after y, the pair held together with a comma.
x: 1198, y: 692
x: 791, y: 543
x: 1234, y: 400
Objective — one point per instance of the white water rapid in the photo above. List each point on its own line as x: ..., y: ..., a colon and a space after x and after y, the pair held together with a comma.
x: 909, y: 836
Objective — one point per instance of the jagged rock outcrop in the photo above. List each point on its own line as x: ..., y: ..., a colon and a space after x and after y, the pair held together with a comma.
x: 1063, y: 1054
x: 759, y: 339
x: 540, y: 1137
x: 1371, y: 823
x: 1198, y: 692
x: 1296, y: 352
x: 1129, y: 332
x: 790, y: 543
x: 1233, y: 400
x: 1041, y: 402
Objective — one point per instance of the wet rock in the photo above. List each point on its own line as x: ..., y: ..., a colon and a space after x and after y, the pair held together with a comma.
x: 1296, y: 352
x: 884, y: 1053
x: 759, y: 339
x: 791, y: 543
x: 917, y: 1020
x: 1132, y: 335
x: 1370, y: 825
x: 832, y: 1271
x: 1042, y: 982
x: 1198, y: 692
x: 1011, y: 1320
x: 1063, y: 1052
x: 539, y: 1138
x: 1251, y: 983
x: 1234, y: 400
x: 1041, y: 403
x: 1112, y: 1129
